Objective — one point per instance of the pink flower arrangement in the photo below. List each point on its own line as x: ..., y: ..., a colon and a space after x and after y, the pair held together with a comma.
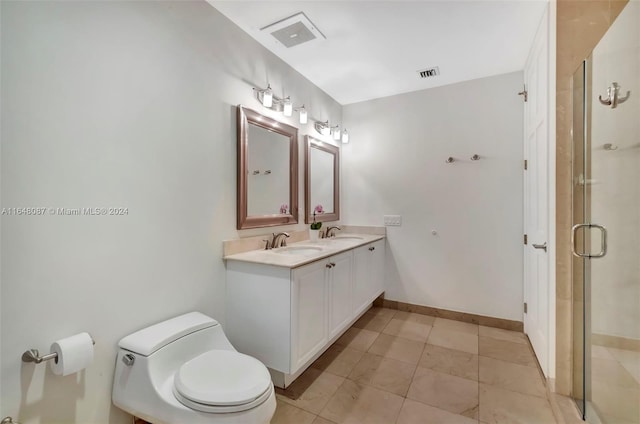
x: 317, y: 210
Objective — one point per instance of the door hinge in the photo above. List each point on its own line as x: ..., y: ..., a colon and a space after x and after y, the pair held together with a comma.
x: 526, y: 163
x: 525, y: 239
x: 524, y: 93
x: 525, y: 307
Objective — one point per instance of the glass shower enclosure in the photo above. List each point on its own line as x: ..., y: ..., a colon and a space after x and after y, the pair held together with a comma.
x: 606, y: 226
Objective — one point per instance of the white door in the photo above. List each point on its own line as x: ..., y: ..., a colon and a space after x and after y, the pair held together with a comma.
x: 536, y: 195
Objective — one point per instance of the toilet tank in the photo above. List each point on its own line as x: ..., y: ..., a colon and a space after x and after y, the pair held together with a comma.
x: 148, y: 340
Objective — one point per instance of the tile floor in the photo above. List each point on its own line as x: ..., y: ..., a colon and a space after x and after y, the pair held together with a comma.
x: 615, y: 384
x: 396, y: 367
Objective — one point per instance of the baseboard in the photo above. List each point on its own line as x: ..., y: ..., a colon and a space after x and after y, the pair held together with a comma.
x: 504, y: 324
x: 617, y: 342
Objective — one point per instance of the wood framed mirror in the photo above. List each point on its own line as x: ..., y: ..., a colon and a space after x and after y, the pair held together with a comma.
x: 267, y: 171
x: 321, y: 180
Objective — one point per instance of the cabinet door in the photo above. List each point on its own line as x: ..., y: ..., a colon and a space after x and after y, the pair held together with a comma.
x: 309, y: 312
x: 340, y: 305
x: 361, y: 276
x: 377, y: 269
x: 368, y: 281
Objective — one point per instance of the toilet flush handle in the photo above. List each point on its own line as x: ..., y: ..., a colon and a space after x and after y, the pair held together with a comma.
x: 128, y: 359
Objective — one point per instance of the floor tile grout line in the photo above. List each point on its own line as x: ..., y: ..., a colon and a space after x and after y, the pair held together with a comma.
x: 383, y: 358
x: 404, y: 399
x: 331, y: 398
x: 424, y: 346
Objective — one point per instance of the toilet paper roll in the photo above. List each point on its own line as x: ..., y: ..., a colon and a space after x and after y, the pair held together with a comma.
x: 75, y: 353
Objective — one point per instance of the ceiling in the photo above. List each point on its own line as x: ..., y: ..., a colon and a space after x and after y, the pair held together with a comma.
x: 374, y: 49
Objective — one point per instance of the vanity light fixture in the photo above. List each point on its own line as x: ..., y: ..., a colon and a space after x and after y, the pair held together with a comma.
x: 336, y: 132
x: 287, y: 106
x: 267, y: 96
x: 323, y: 127
x: 345, y: 136
x: 303, y: 114
x: 284, y: 105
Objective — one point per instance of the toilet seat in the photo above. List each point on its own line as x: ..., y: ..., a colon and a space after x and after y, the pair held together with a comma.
x: 222, y: 381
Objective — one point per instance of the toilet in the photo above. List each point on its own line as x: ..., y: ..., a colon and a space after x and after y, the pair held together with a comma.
x: 184, y: 370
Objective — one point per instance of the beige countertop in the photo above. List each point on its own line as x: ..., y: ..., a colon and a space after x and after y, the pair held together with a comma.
x: 292, y: 256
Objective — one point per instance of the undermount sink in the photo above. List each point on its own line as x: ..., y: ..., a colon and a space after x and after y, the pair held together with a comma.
x: 346, y: 238
x: 298, y: 250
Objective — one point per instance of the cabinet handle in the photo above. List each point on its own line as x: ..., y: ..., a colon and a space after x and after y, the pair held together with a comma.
x: 329, y: 265
x: 332, y: 264
x: 372, y: 248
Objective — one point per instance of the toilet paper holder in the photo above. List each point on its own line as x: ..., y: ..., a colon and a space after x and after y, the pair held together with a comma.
x: 33, y: 355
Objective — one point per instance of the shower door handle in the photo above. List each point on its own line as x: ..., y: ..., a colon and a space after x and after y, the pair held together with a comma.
x: 603, y: 241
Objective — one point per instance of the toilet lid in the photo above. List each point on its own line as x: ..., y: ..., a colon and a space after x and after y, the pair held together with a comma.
x: 222, y: 378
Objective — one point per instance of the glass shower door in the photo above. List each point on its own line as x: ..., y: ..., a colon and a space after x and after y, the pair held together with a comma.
x: 579, y: 264
x: 607, y: 232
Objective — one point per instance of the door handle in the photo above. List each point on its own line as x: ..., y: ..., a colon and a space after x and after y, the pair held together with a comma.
x: 540, y: 246
x: 603, y: 241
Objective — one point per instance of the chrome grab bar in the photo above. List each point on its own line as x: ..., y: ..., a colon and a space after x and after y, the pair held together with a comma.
x: 603, y: 241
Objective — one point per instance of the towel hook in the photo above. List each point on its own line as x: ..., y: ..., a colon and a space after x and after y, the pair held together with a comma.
x: 613, y: 96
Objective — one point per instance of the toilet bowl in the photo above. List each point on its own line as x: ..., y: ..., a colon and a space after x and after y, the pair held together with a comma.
x: 184, y: 370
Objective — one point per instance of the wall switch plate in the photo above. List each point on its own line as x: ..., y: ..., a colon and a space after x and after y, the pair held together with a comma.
x: 393, y: 220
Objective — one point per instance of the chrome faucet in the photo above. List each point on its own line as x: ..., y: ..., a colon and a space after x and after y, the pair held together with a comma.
x: 331, y: 231
x: 279, y: 240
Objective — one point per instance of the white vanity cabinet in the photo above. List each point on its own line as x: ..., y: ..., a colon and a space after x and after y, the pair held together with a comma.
x: 287, y: 317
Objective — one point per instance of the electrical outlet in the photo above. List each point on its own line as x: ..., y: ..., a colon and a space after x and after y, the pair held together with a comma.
x: 393, y: 220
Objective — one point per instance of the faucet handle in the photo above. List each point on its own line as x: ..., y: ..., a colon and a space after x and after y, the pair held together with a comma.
x: 267, y: 244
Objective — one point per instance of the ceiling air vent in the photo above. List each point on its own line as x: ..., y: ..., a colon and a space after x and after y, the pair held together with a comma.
x: 429, y: 72
x: 294, y: 30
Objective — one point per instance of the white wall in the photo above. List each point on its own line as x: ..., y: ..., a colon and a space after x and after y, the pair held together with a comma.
x: 128, y: 104
x: 395, y: 164
x: 615, y: 193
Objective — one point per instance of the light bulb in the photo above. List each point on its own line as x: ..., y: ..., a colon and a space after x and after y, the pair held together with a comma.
x: 303, y: 115
x: 325, y: 130
x: 288, y: 107
x: 267, y: 97
x: 336, y: 133
x: 345, y: 137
